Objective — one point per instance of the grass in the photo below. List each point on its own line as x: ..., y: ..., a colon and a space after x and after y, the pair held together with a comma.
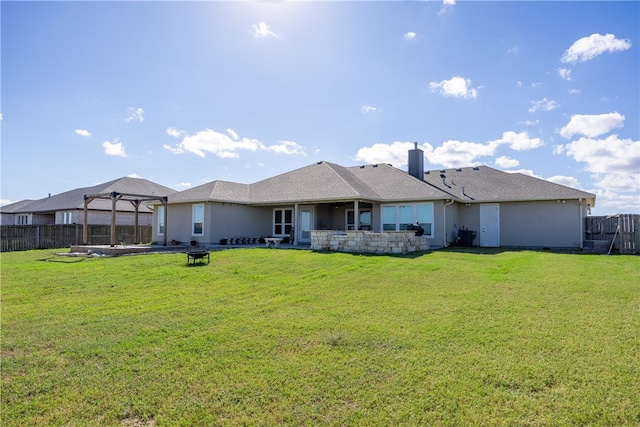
x: 281, y: 337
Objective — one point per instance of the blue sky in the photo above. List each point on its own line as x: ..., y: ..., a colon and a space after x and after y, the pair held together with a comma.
x: 182, y: 93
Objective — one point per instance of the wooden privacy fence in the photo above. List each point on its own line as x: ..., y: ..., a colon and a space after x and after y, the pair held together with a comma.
x: 622, y: 232
x: 25, y: 237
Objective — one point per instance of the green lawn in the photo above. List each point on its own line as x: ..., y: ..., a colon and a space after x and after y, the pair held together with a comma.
x: 287, y: 337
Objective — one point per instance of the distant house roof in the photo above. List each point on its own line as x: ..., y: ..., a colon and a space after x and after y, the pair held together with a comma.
x: 485, y: 184
x: 74, y: 199
x: 322, y: 181
x: 15, y: 207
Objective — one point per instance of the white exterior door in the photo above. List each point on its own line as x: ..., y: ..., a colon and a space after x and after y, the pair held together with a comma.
x: 490, y: 225
x: 305, y: 224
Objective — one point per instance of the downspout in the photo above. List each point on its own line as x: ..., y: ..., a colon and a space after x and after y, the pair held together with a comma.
x: 444, y: 222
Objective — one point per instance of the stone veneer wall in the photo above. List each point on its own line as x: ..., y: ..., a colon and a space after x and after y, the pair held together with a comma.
x: 387, y: 242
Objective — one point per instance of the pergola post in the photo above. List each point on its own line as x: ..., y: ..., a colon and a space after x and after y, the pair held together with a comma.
x: 136, y: 232
x: 85, y: 225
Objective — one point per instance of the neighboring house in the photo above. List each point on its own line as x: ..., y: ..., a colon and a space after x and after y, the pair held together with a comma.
x: 13, y: 214
x: 68, y: 207
x: 502, y: 209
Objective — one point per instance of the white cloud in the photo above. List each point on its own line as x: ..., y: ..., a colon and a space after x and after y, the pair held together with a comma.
x: 629, y: 183
x: 527, y: 172
x: 506, y: 162
x: 565, y: 73
x: 410, y: 36
x: 574, y: 91
x: 176, y: 133
x: 135, y: 114
x: 588, y: 48
x: 395, y: 154
x: 451, y: 154
x: 544, y: 104
x: 287, y: 147
x: 114, y: 148
x: 368, y: 109
x: 592, y: 125
x: 454, y: 154
x: 610, y: 155
x: 457, y: 87
x: 233, y: 134
x: 518, y: 141
x: 134, y: 175
x: 568, y: 181
x: 183, y: 184
x: 529, y: 122
x: 618, y: 202
x: 224, y: 146
x: 83, y: 132
x: 446, y: 5
x: 262, y: 30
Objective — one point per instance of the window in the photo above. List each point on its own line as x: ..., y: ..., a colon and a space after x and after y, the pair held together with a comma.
x: 161, y: 221
x: 364, y: 221
x: 282, y: 222
x: 398, y: 217
x: 22, y: 220
x: 198, y: 220
x: 67, y: 217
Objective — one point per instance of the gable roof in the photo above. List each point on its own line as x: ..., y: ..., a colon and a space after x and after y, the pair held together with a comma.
x: 485, y: 184
x: 74, y: 199
x: 319, y: 182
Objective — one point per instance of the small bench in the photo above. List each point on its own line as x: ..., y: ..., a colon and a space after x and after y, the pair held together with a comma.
x: 194, y: 255
x: 275, y: 241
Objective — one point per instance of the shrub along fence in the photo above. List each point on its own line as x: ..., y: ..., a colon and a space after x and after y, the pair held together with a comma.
x: 619, y: 232
x: 25, y: 237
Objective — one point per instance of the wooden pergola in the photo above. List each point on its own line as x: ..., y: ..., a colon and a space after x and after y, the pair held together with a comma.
x: 134, y: 199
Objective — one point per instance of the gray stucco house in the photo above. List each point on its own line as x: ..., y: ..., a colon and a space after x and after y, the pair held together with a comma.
x: 500, y: 209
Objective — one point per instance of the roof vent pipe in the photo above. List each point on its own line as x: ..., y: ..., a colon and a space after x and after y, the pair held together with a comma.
x: 416, y: 162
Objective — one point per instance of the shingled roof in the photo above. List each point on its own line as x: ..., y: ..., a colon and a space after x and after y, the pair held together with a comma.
x: 485, y: 184
x: 74, y: 199
x: 316, y: 183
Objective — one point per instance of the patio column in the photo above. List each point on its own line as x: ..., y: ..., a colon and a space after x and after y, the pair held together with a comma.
x: 165, y: 203
x: 356, y: 215
x: 114, y: 199
x: 295, y: 224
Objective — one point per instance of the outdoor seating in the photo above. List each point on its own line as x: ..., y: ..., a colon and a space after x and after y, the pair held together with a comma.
x: 272, y: 241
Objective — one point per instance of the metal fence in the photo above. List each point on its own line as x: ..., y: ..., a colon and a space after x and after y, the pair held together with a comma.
x: 621, y: 232
x: 25, y: 237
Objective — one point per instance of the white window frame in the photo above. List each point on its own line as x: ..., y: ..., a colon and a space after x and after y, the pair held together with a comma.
x: 22, y: 219
x: 398, y: 226
x: 193, y: 219
x: 160, y: 222
x: 67, y: 217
